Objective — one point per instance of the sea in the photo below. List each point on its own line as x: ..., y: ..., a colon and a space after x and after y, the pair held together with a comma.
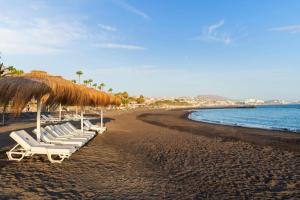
x: 274, y: 117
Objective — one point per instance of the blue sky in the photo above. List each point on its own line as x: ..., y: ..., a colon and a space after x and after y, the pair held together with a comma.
x: 238, y: 49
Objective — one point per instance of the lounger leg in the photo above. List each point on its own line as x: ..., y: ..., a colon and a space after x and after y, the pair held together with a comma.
x: 62, y: 157
x: 11, y: 153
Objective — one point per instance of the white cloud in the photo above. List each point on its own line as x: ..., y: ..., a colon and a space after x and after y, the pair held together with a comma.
x: 107, y: 28
x: 120, y: 46
x: 132, y: 9
x: 290, y: 29
x: 213, y: 27
x: 212, y: 34
x: 37, y: 35
x: 26, y: 33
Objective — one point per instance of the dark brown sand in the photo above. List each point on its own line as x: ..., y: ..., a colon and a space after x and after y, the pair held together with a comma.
x: 161, y: 155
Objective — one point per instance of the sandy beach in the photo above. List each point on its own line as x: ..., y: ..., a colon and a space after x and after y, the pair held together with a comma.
x: 159, y: 154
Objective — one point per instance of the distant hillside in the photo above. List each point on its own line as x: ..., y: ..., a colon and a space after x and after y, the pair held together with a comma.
x: 212, y: 98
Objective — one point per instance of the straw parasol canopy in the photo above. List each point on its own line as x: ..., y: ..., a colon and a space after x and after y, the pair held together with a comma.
x: 52, y: 90
x: 65, y: 92
x: 113, y: 100
x: 20, y: 90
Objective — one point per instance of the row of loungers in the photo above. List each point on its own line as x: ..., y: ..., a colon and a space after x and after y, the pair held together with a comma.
x: 57, y: 142
x: 67, y: 117
x: 75, y: 117
x: 49, y: 118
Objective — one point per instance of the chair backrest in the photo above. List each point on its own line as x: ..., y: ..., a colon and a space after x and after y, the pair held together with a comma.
x: 29, y: 138
x: 64, y: 129
x: 71, y: 126
x: 44, y: 117
x: 52, y: 131
x: 86, y: 123
x: 67, y: 128
x: 45, y: 135
x: 58, y: 129
x: 24, y: 139
x: 20, y: 140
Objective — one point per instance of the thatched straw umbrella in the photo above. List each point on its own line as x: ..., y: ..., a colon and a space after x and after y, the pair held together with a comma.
x: 19, y: 91
x: 51, y: 90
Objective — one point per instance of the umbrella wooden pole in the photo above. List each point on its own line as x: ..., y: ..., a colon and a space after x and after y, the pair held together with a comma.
x: 60, y: 112
x: 38, y: 120
x: 101, y: 125
x: 76, y: 111
x: 81, y: 120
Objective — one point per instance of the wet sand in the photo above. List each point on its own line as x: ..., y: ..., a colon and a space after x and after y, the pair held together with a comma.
x: 161, y: 155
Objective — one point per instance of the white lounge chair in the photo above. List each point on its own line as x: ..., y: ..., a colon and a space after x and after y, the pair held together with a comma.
x: 79, y: 117
x: 69, y: 117
x: 93, y: 127
x: 27, y: 146
x: 71, y: 128
x: 65, y: 129
x: 58, y: 133
x: 49, y: 138
x: 49, y: 119
x: 54, y: 118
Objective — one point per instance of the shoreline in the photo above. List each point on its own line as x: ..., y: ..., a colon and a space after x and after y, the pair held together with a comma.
x: 279, y: 139
x: 285, y: 130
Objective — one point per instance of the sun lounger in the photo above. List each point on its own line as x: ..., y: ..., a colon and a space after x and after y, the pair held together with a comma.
x: 28, y: 146
x: 72, y: 128
x: 93, y: 127
x: 79, y: 117
x: 67, y: 130
x: 49, y: 119
x: 69, y: 117
x: 49, y: 138
x: 64, y: 131
x: 55, y: 118
x: 57, y: 132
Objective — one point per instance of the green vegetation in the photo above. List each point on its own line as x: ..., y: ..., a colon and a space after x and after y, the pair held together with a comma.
x: 95, y: 85
x: 101, y: 86
x: 140, y: 99
x: 125, y: 99
x: 9, y: 71
x: 176, y: 102
x: 85, y: 82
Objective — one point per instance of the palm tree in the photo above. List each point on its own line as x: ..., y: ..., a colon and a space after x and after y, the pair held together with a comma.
x: 101, y: 86
x: 110, y: 90
x: 90, y: 82
x: 95, y: 85
x: 86, y: 82
x: 79, y: 73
